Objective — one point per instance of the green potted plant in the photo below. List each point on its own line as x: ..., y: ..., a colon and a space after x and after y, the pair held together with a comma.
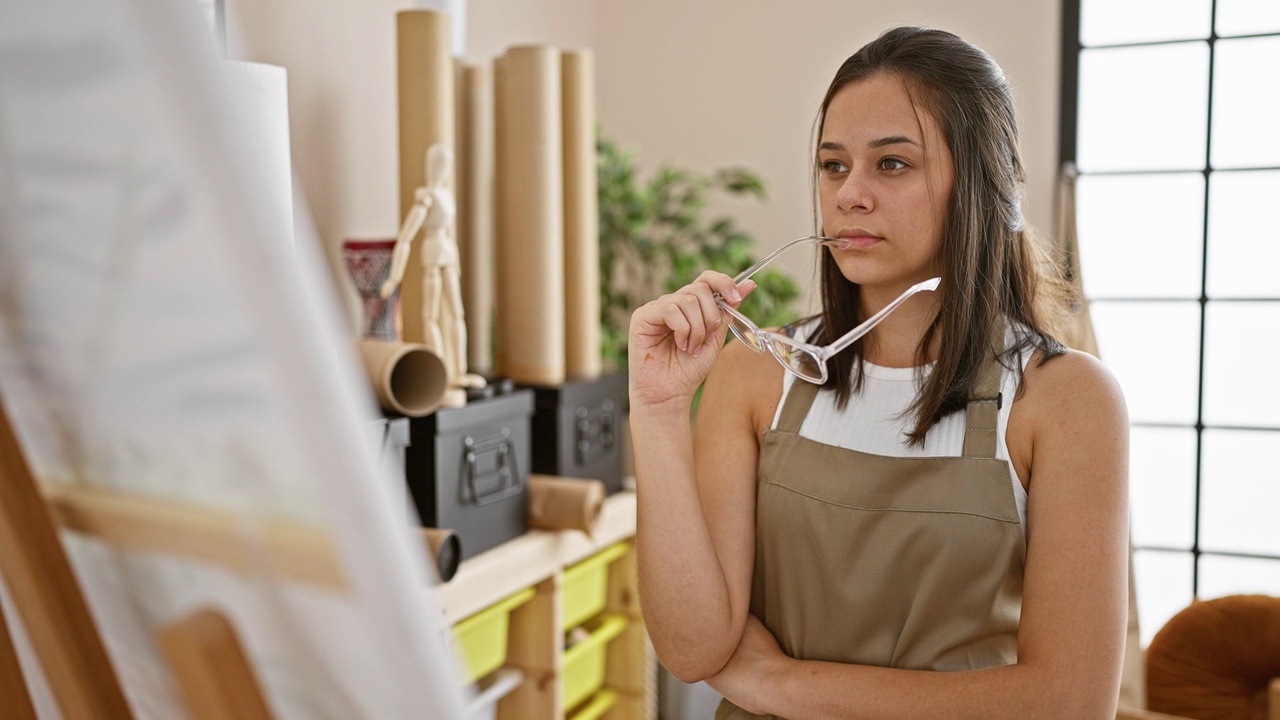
x: 655, y: 238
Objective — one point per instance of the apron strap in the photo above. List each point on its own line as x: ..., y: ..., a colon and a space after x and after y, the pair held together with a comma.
x: 796, y: 406
x: 982, y: 413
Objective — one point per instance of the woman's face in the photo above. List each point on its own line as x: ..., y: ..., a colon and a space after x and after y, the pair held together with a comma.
x: 885, y: 175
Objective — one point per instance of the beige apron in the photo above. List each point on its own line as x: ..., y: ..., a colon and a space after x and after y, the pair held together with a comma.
x: 895, y: 562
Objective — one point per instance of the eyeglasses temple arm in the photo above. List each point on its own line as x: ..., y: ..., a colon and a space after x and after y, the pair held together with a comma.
x: 769, y: 258
x: 865, y: 327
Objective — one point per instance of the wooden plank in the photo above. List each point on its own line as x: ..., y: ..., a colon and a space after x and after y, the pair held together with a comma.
x: 211, y: 668
x: 13, y: 688
x: 47, y: 596
x: 287, y: 548
x: 535, y: 645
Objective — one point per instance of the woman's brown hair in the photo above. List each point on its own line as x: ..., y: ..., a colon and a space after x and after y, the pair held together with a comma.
x: 994, y: 269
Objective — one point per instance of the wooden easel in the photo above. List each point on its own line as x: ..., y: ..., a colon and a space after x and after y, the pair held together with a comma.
x: 202, y: 650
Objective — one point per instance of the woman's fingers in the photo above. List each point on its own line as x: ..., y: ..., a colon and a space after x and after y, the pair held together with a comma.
x: 692, y: 315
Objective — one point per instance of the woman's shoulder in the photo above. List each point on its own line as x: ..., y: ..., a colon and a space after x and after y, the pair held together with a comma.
x: 1070, y: 386
x: 743, y: 380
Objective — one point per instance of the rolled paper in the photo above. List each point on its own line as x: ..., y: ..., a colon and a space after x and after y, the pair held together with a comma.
x: 563, y: 503
x: 407, y: 378
x: 531, y: 216
x: 501, y: 297
x: 475, y: 210
x: 424, y: 64
x: 446, y: 551
x: 260, y: 97
x: 581, y: 215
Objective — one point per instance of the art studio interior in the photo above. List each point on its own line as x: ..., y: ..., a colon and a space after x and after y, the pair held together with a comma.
x: 315, y: 320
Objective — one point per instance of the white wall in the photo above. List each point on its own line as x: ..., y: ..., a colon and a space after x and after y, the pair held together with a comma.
x: 700, y: 84
x: 720, y: 82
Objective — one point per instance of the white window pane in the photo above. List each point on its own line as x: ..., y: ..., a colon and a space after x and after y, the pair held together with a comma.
x: 1248, y: 17
x: 1246, y: 103
x: 1141, y: 221
x: 1242, y: 344
x: 1110, y: 22
x: 1244, y: 234
x: 1144, y: 108
x: 1154, y: 351
x: 1240, y: 491
x: 1162, y: 486
x: 1163, y: 585
x: 1221, y: 576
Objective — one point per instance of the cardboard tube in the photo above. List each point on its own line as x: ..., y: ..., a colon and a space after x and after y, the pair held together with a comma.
x: 424, y: 64
x: 531, y: 212
x: 581, y: 215
x: 446, y: 551
x: 475, y: 210
x: 407, y: 378
x: 500, y: 295
x: 562, y: 503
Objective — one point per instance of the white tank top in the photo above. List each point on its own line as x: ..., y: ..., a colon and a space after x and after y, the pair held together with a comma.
x: 876, y: 419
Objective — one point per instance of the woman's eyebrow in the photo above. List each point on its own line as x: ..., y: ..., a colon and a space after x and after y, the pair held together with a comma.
x: 893, y: 140
x: 879, y: 142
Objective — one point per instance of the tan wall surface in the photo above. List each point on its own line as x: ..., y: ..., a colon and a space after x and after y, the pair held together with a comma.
x: 700, y: 84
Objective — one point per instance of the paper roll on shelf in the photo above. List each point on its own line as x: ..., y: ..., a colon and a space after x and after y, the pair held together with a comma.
x: 406, y: 377
x: 475, y: 210
x: 563, y: 503
x: 530, y: 208
x: 445, y: 549
x: 581, y: 215
x: 260, y: 99
x: 424, y: 64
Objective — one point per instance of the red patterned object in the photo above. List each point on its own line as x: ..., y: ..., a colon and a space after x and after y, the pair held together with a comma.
x: 369, y: 263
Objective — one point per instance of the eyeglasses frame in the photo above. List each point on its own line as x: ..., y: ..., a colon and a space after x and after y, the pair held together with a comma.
x: 765, y: 339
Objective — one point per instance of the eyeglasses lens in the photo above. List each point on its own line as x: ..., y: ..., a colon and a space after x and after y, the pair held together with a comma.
x: 743, y: 332
x: 800, y: 361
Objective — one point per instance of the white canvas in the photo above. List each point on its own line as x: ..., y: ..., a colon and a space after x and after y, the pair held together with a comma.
x: 157, y: 338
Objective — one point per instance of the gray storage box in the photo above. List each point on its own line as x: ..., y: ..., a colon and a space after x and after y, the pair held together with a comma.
x: 390, y: 435
x: 467, y: 469
x: 577, y: 429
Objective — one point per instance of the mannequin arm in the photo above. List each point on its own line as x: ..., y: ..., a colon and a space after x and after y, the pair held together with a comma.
x: 404, y: 243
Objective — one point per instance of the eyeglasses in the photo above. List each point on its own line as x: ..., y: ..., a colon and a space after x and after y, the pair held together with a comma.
x: 805, y: 361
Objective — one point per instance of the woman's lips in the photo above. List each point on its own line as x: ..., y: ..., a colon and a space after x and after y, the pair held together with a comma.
x: 857, y: 241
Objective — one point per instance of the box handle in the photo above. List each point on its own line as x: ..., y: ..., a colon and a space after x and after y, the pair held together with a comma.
x: 512, y: 482
x: 584, y: 449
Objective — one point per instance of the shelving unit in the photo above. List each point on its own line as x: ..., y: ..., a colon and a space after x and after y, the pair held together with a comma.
x: 537, y: 560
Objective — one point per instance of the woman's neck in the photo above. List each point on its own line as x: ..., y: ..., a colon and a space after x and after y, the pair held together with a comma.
x: 896, y: 340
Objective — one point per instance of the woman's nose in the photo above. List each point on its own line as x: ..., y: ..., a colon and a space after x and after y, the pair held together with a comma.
x: 854, y: 194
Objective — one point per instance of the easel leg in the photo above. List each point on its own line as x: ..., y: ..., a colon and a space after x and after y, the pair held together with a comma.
x: 13, y: 689
x: 47, y: 596
x: 211, y: 668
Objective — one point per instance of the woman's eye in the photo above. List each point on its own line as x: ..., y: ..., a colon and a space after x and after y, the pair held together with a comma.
x: 892, y: 163
x: 834, y: 167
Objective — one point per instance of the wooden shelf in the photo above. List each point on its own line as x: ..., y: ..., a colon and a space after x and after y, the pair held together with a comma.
x: 537, y: 559
x: 532, y: 558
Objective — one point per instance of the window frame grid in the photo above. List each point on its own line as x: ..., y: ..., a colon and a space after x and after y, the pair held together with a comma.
x: 1068, y: 145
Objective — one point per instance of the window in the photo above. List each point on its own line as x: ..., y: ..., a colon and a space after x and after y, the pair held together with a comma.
x: 1171, y: 114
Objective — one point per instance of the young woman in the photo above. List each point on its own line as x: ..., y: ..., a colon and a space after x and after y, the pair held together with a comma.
x: 952, y: 496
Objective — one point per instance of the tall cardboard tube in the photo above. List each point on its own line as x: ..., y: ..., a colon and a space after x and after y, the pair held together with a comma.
x: 563, y: 503
x: 425, y: 95
x: 407, y: 378
x: 475, y: 210
x: 581, y: 215
x: 531, y: 212
x: 446, y: 551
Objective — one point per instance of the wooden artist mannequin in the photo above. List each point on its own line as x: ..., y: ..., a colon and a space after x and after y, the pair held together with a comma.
x: 443, y: 326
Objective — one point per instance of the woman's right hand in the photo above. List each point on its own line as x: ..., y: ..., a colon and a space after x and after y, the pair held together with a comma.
x: 674, y: 340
